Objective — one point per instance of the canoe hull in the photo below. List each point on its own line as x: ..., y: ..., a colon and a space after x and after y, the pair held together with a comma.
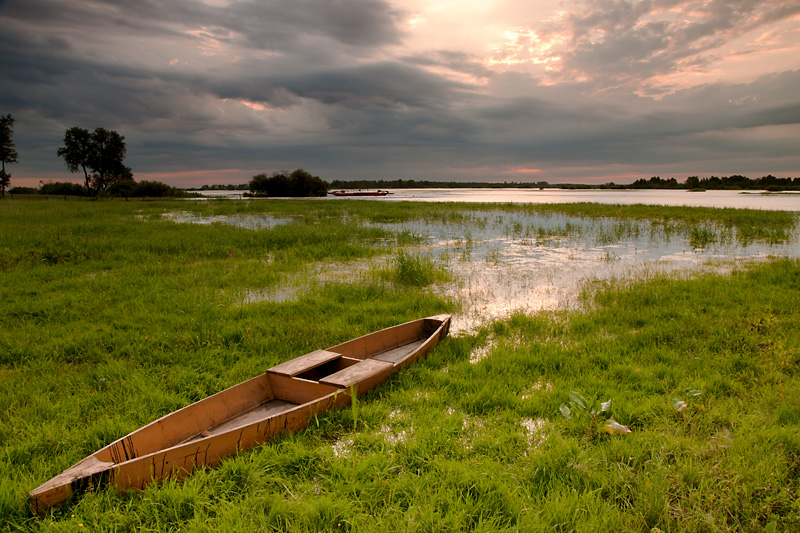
x: 284, y: 399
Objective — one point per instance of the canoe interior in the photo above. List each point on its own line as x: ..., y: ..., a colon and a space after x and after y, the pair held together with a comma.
x: 392, y: 344
x: 398, y: 353
x: 260, y: 397
x: 267, y: 409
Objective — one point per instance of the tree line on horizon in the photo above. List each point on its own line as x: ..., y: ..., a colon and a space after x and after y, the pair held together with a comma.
x: 735, y: 182
x: 428, y: 184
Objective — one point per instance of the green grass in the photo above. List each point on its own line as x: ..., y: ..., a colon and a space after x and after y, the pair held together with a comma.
x: 112, y: 317
x: 416, y: 270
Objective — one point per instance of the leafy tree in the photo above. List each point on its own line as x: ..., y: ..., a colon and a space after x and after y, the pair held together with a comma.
x: 692, y: 182
x: 77, y: 152
x: 102, y: 152
x: 8, y: 154
x: 5, y: 181
x: 122, y: 188
x: 259, y: 184
x: 297, y: 184
x: 107, y: 157
x: 304, y: 184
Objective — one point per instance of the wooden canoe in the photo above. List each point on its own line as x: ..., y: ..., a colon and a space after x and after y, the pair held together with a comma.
x: 281, y: 400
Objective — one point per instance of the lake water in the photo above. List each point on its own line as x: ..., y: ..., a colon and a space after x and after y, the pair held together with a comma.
x: 737, y: 199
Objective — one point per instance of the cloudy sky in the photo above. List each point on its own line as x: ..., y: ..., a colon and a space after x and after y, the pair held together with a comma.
x: 214, y: 91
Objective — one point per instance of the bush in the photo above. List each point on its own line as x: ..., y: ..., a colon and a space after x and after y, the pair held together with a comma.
x: 154, y: 189
x: 144, y: 189
x: 121, y: 188
x: 298, y: 184
x: 23, y: 190
x: 62, y: 188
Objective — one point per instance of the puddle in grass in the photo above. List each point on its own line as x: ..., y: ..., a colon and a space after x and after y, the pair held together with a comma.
x: 254, y: 222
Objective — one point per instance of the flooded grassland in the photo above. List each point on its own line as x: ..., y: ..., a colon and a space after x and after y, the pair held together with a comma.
x: 506, y: 261
x: 679, y: 325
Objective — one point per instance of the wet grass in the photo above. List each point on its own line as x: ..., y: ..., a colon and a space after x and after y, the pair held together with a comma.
x: 113, y: 316
x: 416, y: 270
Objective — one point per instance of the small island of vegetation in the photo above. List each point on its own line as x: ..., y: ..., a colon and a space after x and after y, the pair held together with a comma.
x: 298, y: 184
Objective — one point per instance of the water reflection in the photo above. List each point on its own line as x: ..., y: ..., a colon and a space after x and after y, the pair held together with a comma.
x: 504, y: 262
x: 254, y: 222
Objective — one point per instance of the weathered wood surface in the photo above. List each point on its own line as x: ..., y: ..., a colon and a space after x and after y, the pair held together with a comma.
x: 395, y: 355
x: 178, y: 461
x: 305, y: 362
x: 283, y: 399
x: 368, y: 372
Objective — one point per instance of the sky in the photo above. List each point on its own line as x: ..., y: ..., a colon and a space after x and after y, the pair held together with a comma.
x: 563, y: 91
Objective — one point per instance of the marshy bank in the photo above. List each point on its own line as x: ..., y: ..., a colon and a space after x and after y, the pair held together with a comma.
x: 115, y: 314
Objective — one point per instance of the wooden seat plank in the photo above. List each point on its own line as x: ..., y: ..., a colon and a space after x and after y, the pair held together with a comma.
x: 358, y: 373
x: 304, y: 363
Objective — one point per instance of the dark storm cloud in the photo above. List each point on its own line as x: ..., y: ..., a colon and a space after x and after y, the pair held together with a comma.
x: 352, y: 22
x: 561, y: 126
x: 272, y: 25
x: 313, y: 83
x: 384, y: 83
x: 46, y: 63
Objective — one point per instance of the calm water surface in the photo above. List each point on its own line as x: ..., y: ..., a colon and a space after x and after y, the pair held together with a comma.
x: 509, y: 262
x: 737, y: 199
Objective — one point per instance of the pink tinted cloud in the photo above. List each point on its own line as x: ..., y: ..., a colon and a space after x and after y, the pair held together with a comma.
x: 638, y: 44
x: 522, y: 170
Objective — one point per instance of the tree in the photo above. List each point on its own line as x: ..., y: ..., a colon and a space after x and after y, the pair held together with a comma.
x: 297, y: 184
x: 102, y: 152
x: 76, y: 152
x: 107, y: 157
x: 692, y: 182
x: 8, y: 154
x: 304, y: 184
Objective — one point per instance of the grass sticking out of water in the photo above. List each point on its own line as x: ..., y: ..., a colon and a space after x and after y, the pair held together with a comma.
x: 417, y: 270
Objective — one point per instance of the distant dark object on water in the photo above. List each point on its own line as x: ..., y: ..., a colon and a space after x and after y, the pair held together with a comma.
x: 359, y: 193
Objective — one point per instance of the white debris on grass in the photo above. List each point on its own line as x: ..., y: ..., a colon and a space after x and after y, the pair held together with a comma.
x: 537, y: 387
x: 536, y: 429
x: 482, y: 352
x: 342, y: 447
x: 391, y: 437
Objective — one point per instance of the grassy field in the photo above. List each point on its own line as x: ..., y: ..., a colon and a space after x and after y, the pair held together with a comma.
x: 114, y: 315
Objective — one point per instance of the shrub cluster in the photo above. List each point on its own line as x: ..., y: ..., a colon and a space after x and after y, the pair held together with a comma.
x: 283, y: 184
x: 126, y: 189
